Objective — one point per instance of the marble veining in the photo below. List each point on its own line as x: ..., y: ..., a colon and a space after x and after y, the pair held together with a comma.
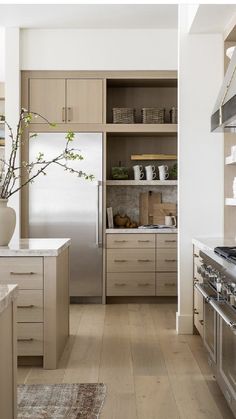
x: 141, y: 230
x: 8, y: 293
x: 35, y: 247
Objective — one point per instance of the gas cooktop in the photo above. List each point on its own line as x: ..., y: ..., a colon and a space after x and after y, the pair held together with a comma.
x: 228, y: 253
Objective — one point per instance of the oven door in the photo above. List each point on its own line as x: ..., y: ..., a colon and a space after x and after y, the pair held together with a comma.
x: 209, y: 322
x: 209, y: 330
x: 226, y: 371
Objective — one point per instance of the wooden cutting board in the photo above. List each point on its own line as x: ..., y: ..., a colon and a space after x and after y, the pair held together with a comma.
x: 161, y: 210
x: 147, y: 200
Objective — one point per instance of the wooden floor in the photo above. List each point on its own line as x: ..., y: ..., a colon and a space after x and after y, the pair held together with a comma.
x: 150, y: 372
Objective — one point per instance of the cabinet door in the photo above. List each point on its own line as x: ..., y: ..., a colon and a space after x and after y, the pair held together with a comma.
x: 47, y: 97
x: 84, y: 101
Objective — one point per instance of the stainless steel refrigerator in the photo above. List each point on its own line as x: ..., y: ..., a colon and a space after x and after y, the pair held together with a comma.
x: 62, y: 205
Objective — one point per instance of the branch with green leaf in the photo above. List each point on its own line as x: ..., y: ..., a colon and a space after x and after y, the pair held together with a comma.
x: 11, y: 174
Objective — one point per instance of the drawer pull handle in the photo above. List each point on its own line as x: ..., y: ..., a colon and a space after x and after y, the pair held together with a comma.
x: 170, y: 241
x: 120, y: 260
x: 145, y: 284
x: 171, y: 284
x: 143, y: 241
x: 28, y: 306
x: 25, y: 340
x: 195, y: 311
x: 170, y: 260
x: 22, y: 273
x: 120, y: 241
x: 63, y: 114
x: 144, y: 260
x: 122, y: 284
x: 201, y: 322
x: 68, y: 114
x: 195, y: 255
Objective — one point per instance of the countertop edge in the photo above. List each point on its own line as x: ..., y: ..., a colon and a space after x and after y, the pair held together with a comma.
x: 208, y: 249
x: 47, y: 251
x: 141, y: 231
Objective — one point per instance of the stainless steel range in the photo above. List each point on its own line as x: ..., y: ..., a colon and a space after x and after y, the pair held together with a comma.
x: 218, y: 287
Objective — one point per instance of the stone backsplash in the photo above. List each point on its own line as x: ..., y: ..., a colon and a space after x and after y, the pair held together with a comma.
x: 125, y: 199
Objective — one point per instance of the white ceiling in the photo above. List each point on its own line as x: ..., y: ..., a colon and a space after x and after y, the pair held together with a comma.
x: 212, y: 18
x: 100, y: 16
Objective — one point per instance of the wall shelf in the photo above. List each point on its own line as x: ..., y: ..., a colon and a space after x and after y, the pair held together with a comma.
x: 141, y: 182
x: 230, y: 201
x: 230, y: 161
x: 143, y: 128
x: 153, y: 157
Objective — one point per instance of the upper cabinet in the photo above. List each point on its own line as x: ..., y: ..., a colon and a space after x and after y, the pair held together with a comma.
x: 47, y: 97
x: 67, y: 100
x: 84, y: 101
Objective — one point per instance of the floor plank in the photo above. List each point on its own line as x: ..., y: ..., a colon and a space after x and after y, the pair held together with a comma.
x: 150, y: 372
x: 116, y: 369
x: 84, y: 361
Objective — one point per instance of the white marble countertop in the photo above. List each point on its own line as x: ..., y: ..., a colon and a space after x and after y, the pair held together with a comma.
x: 141, y: 230
x: 7, y: 294
x: 35, y: 247
x: 207, y: 245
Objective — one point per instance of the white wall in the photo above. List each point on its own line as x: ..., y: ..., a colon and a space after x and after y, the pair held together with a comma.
x: 110, y: 49
x: 2, y: 54
x: 200, y: 153
x: 12, y: 103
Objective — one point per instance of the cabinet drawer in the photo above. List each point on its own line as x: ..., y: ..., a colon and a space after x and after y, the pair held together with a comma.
x: 166, y: 283
x: 166, y: 260
x: 166, y: 240
x: 27, y: 272
x: 130, y: 284
x: 30, y: 306
x: 121, y: 241
x: 29, y: 339
x: 131, y: 260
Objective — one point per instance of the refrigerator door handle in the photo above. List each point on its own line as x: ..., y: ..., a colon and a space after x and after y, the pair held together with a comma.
x: 98, y: 217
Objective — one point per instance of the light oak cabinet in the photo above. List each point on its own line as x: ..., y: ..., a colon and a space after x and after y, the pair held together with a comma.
x: 67, y: 100
x: 141, y: 265
x: 42, y: 306
x: 166, y: 264
x: 8, y: 370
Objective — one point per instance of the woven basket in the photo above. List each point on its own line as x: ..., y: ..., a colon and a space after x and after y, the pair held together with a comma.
x: 153, y: 115
x: 123, y: 115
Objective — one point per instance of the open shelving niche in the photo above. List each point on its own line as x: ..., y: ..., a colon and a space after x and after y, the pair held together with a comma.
x: 126, y: 140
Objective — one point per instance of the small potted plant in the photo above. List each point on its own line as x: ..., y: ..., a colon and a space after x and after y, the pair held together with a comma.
x: 11, y: 173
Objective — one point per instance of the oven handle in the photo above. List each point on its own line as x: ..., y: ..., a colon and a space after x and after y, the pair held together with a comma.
x: 203, y: 292
x: 221, y: 313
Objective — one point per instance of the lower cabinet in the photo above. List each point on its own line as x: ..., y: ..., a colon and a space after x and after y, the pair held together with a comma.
x: 141, y: 264
x: 130, y: 283
x: 42, y: 306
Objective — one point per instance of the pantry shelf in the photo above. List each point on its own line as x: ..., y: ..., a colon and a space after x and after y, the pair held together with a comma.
x: 153, y: 157
x: 141, y: 182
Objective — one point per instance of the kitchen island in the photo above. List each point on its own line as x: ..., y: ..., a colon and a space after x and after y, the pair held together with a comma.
x: 8, y: 294
x: 40, y: 267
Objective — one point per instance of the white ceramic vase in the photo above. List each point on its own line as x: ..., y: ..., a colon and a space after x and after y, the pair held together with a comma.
x: 7, y: 222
